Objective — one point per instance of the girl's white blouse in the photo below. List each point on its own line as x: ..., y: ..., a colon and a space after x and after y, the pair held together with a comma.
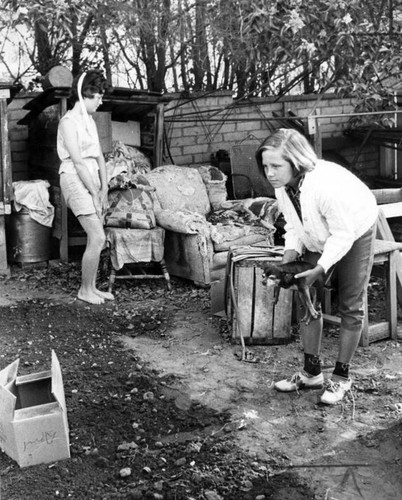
x: 337, y: 208
x: 87, y: 138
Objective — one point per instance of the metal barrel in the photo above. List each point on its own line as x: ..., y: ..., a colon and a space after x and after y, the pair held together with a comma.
x: 27, y: 241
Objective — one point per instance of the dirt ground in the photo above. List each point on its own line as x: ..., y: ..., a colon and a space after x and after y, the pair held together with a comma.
x: 160, y: 407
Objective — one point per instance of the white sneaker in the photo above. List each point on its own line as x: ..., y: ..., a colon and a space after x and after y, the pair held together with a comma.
x: 300, y: 381
x: 335, y: 390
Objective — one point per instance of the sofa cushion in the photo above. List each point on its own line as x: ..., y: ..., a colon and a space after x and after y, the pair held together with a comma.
x: 182, y: 221
x: 180, y: 188
x: 215, y: 182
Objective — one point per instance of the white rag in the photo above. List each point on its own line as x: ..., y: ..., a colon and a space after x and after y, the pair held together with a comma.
x: 34, y: 196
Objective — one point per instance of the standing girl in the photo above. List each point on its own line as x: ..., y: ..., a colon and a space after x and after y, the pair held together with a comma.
x: 83, y: 179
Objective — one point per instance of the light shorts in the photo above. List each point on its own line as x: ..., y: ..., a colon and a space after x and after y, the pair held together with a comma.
x: 76, y: 195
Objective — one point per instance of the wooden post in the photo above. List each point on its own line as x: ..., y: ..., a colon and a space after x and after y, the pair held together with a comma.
x: 398, y: 99
x: 63, y: 245
x: 315, y: 133
x: 158, y: 138
x: 5, y: 179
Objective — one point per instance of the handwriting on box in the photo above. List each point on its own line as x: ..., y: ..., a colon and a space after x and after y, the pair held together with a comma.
x: 46, y: 437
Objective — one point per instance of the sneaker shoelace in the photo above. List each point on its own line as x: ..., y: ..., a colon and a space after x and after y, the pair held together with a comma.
x: 297, y: 380
x: 332, y: 386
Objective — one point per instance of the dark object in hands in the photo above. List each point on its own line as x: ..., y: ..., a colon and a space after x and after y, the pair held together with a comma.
x: 283, y: 276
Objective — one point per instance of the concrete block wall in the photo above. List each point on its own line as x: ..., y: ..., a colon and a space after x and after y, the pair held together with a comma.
x: 199, y: 126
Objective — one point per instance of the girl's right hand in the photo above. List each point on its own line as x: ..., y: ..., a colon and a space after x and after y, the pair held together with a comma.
x: 98, y: 206
x: 290, y: 256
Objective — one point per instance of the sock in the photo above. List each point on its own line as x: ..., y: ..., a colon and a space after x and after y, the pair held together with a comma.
x: 341, y: 369
x: 312, y: 364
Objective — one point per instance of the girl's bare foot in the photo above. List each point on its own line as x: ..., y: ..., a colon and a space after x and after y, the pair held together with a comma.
x: 105, y: 295
x: 90, y: 297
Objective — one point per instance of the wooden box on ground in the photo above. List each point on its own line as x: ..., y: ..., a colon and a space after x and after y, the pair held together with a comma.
x: 251, y: 304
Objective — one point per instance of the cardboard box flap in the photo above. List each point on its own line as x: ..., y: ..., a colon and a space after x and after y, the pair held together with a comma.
x: 7, y: 399
x: 9, y: 373
x: 57, y: 381
x: 7, y: 404
x: 32, y: 377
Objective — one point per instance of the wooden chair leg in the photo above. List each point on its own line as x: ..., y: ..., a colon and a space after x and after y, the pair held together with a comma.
x: 166, y: 274
x: 327, y: 305
x: 112, y: 279
x: 392, y: 295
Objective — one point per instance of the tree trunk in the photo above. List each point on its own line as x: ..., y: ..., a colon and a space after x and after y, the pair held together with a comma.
x: 105, y: 46
x: 159, y: 84
x: 78, y: 41
x: 199, y: 46
x: 44, y: 53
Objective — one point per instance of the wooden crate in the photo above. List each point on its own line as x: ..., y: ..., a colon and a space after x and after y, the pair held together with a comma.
x: 262, y: 321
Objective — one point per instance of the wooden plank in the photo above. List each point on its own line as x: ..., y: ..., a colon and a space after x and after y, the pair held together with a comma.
x: 263, y: 307
x: 4, y: 269
x: 391, y: 195
x: 5, y: 182
x: 379, y: 331
x: 391, y: 295
x: 7, y: 187
x: 392, y: 209
x: 376, y: 331
x: 244, y: 295
x: 158, y: 137
x: 331, y: 319
x: 63, y: 242
x: 283, y: 315
x: 3, y: 144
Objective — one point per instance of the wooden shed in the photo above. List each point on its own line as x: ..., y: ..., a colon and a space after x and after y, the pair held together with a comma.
x: 135, y: 116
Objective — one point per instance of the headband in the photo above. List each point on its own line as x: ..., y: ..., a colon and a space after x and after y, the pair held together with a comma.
x: 79, y: 92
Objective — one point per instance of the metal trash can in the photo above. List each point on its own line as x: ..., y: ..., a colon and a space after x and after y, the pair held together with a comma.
x: 27, y: 240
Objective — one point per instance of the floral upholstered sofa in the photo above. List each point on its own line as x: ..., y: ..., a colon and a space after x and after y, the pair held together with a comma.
x: 201, y: 224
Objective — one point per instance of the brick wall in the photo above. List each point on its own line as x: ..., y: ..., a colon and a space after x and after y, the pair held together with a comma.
x: 202, y: 125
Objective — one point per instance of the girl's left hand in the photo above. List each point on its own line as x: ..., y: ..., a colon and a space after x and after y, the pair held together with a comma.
x: 311, y: 275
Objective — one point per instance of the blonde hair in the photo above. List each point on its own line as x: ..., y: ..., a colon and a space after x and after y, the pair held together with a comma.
x: 295, y: 149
